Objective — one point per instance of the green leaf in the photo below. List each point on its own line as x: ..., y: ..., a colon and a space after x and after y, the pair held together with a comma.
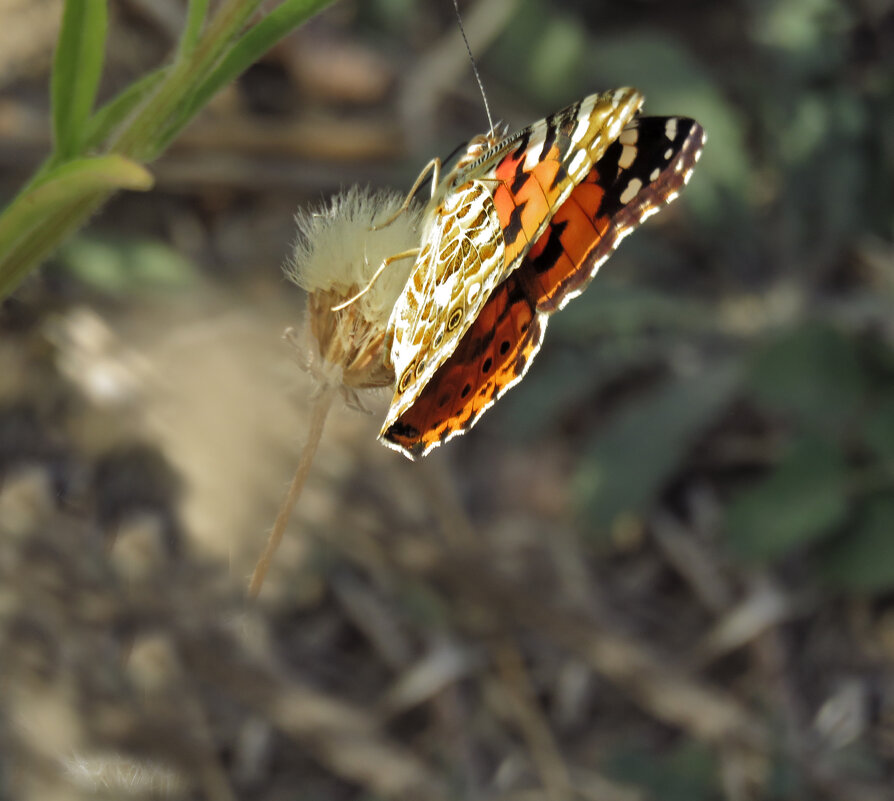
x: 635, y: 455
x: 812, y: 373
x: 558, y: 53
x: 77, y: 68
x: 66, y: 186
x: 253, y: 44
x: 878, y: 429
x: 562, y: 381
x: 616, y: 308
x: 685, y: 772
x: 116, y: 266
x: 862, y: 560
x: 663, y: 68
x: 117, y: 110
x: 801, y: 501
x: 195, y: 19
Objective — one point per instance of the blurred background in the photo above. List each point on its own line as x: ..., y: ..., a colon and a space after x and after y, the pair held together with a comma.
x: 662, y: 567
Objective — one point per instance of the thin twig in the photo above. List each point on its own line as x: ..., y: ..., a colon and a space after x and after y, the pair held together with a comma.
x: 314, y: 434
x: 542, y: 745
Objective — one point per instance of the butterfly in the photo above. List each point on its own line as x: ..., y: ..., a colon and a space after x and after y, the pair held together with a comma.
x: 517, y: 228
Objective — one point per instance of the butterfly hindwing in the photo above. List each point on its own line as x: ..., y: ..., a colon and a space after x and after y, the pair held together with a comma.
x: 493, y: 355
x: 641, y: 170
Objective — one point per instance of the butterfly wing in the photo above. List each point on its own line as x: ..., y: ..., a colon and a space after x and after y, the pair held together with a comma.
x: 490, y: 214
x: 452, y: 278
x: 643, y: 169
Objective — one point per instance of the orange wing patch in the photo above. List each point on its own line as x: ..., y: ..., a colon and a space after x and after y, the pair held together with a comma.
x: 644, y: 169
x: 555, y: 258
x: 542, y: 164
x: 492, y: 356
x: 525, y: 200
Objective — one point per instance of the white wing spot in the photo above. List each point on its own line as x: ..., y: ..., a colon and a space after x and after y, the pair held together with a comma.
x: 587, y: 105
x: 444, y: 292
x: 583, y: 118
x: 668, y: 153
x: 653, y: 176
x: 670, y: 128
x: 628, y: 154
x: 534, y: 152
x: 581, y: 129
x: 632, y: 189
x: 578, y: 163
x: 614, y: 129
x: 629, y: 136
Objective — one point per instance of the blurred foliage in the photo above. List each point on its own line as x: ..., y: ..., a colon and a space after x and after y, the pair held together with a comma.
x: 688, y: 772
x: 863, y: 561
x: 113, y: 266
x: 801, y: 499
x: 629, y: 460
x: 729, y: 374
x: 812, y: 374
x: 796, y: 182
x: 134, y: 127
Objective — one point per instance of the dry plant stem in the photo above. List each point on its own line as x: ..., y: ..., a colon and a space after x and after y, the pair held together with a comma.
x: 544, y: 750
x: 344, y: 738
x: 314, y: 434
x: 460, y: 533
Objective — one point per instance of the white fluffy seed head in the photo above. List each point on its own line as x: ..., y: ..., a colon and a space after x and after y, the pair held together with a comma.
x: 336, y: 250
x: 336, y: 255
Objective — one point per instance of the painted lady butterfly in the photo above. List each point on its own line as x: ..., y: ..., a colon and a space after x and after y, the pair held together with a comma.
x: 515, y: 230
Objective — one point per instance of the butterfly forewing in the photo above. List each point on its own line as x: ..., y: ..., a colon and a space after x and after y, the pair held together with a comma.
x: 642, y: 169
x: 550, y: 158
x: 453, y: 271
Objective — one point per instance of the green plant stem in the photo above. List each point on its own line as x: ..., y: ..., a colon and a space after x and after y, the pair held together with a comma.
x: 144, y: 119
x: 41, y: 241
x: 195, y: 19
x: 65, y: 187
x: 34, y: 224
x: 138, y: 139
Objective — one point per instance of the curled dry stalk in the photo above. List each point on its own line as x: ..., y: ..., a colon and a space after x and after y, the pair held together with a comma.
x: 321, y: 408
x: 343, y: 346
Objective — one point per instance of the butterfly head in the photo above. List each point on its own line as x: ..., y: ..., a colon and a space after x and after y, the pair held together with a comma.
x: 476, y: 147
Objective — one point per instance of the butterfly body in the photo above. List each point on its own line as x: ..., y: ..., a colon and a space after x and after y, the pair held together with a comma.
x: 516, y: 229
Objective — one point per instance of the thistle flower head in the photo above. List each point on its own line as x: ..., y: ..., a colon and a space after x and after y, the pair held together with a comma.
x: 335, y: 257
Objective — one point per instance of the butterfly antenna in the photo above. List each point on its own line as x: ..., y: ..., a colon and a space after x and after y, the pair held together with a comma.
x: 462, y: 30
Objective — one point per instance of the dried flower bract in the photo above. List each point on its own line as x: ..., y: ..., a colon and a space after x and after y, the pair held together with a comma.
x: 336, y: 255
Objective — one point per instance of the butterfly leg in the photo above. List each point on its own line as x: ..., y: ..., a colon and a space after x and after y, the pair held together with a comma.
x: 434, y: 167
x: 407, y: 254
